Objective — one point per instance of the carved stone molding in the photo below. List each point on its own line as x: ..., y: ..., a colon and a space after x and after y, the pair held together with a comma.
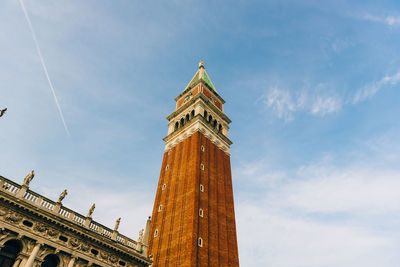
x: 104, y: 255
x: 74, y: 242
x: 40, y: 227
x: 4, y: 235
x: 85, y: 247
x: 52, y: 232
x: 113, y: 258
x: 13, y: 217
x: 3, y: 211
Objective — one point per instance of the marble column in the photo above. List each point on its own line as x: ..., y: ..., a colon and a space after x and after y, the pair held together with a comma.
x: 72, y: 261
x: 32, y: 257
x: 17, y: 262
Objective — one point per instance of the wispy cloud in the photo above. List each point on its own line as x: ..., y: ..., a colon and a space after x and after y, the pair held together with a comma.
x: 315, y: 101
x: 372, y: 88
x: 319, y: 101
x: 389, y: 20
x: 321, y: 208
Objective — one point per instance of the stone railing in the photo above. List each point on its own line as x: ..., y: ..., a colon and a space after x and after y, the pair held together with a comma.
x: 43, y: 203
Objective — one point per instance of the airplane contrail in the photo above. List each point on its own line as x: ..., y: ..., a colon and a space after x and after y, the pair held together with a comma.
x: 44, y: 65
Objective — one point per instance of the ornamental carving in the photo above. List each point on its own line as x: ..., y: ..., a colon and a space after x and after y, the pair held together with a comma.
x: 74, y: 242
x: 51, y: 232
x: 113, y: 259
x: 43, y: 252
x: 103, y: 255
x: 13, y: 217
x: 3, y: 211
x: 3, y: 234
x: 40, y: 227
x: 85, y: 247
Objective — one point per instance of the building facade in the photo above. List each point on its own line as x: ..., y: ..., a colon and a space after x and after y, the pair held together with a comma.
x: 193, y: 218
x: 36, y: 231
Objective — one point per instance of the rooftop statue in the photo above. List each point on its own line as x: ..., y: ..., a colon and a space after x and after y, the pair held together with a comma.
x: 117, y: 224
x: 29, y: 178
x: 91, y: 211
x: 140, y: 239
x: 62, y: 196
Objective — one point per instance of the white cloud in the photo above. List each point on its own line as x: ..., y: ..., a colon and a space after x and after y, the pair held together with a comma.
x: 371, y: 89
x: 351, y: 190
x: 389, y: 20
x: 322, y: 214
x: 281, y: 102
x: 277, y: 240
x: 318, y: 101
x: 325, y: 105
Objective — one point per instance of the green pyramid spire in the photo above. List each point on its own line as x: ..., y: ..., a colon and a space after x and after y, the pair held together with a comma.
x: 201, y: 75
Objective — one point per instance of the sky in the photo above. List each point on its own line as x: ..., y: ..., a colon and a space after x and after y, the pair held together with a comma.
x: 311, y: 87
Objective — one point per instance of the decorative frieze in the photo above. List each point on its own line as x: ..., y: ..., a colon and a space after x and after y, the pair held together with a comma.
x: 40, y: 231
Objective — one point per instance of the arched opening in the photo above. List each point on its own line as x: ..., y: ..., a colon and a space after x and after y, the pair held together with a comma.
x: 176, y: 125
x: 205, y: 114
x: 215, y: 123
x: 187, y: 117
x: 219, y: 128
x: 192, y: 114
x: 182, y: 122
x: 10, y: 252
x: 210, y: 118
x: 51, y: 261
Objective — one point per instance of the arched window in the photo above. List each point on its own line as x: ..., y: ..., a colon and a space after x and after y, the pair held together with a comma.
x: 182, y: 122
x: 215, y: 123
x: 219, y: 128
x: 205, y: 114
x: 192, y: 114
x: 10, y: 252
x: 187, y: 117
x: 210, y: 118
x: 176, y: 125
x: 51, y: 261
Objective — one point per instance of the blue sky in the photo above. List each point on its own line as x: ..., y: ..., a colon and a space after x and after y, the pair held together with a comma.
x: 312, y: 88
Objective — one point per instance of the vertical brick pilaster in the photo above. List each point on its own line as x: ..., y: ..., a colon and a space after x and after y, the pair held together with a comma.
x: 202, y: 256
x: 222, y: 230
x: 179, y: 223
x: 212, y: 205
x: 233, y: 256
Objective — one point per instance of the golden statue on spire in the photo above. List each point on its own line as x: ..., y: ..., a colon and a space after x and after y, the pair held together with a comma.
x: 201, y: 64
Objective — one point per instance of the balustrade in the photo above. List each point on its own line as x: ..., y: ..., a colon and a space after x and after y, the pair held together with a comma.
x: 46, y: 204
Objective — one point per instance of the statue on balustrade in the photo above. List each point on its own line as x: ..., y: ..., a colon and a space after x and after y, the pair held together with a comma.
x: 91, y: 211
x: 62, y: 196
x: 29, y: 178
x: 140, y: 239
x: 117, y: 224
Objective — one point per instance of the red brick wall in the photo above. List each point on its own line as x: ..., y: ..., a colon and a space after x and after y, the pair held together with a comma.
x: 197, y: 90
x: 194, y: 92
x: 178, y: 223
x: 208, y: 94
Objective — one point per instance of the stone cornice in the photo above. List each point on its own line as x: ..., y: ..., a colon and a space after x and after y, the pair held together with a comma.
x: 198, y: 123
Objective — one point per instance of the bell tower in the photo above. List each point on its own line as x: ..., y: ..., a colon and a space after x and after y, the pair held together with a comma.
x: 193, y: 219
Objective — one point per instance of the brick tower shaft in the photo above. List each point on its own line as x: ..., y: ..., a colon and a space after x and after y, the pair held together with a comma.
x: 193, y: 219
